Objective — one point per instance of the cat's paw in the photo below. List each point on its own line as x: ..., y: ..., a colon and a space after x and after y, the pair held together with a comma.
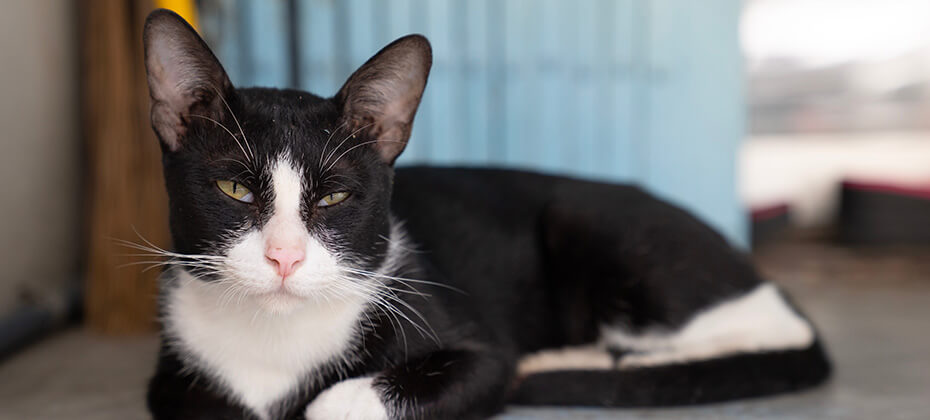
x: 353, y: 399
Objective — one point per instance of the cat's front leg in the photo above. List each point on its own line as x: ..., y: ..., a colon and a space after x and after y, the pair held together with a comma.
x: 352, y: 399
x: 447, y: 384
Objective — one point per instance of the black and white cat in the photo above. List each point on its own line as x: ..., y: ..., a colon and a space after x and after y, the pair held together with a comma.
x: 311, y: 279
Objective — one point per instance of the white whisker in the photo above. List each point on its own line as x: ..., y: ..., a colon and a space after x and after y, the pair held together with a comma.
x: 227, y: 130
x: 355, y: 147
x: 331, y: 134
x: 336, y: 149
x: 403, y: 279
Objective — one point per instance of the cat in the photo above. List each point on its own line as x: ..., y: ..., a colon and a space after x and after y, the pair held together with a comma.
x: 311, y: 279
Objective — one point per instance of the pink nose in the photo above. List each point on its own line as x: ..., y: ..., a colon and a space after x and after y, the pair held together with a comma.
x: 284, y: 260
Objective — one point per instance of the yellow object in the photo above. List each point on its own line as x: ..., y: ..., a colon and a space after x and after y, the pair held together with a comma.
x: 186, y: 8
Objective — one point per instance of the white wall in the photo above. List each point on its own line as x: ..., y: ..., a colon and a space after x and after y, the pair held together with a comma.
x: 40, y: 197
x: 805, y: 171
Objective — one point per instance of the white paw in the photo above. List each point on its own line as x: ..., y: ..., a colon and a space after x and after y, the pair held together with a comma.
x: 353, y: 399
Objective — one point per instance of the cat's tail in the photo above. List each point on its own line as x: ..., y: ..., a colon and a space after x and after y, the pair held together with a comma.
x: 738, y: 376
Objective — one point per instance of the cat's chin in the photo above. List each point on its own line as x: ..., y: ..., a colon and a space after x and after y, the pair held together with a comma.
x: 280, y: 302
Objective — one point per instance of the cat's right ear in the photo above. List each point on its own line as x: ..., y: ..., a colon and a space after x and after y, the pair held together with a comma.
x: 185, y: 78
x: 382, y: 96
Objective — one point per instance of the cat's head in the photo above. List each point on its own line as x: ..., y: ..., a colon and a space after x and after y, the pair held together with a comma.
x: 279, y: 195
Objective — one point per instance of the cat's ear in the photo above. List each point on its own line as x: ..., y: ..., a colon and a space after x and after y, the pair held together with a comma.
x: 382, y: 96
x: 184, y: 77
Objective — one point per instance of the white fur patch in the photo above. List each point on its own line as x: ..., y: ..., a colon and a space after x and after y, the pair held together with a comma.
x: 757, y: 321
x: 260, y: 357
x: 353, y: 399
x: 286, y: 225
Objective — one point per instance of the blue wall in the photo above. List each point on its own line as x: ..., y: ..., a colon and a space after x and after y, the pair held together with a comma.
x: 646, y: 91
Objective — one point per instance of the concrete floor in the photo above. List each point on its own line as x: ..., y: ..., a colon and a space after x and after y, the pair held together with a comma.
x: 871, y: 305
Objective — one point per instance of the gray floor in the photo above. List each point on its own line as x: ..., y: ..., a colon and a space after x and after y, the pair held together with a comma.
x: 872, y: 305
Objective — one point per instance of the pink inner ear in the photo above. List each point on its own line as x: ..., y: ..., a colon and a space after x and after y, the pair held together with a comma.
x: 392, y: 134
x: 165, y: 86
x: 168, y: 125
x: 389, y: 106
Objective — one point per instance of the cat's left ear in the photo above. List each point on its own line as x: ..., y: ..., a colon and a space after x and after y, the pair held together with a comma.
x: 382, y: 96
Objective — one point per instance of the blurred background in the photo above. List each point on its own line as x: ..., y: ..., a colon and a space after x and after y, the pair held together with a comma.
x: 800, y: 129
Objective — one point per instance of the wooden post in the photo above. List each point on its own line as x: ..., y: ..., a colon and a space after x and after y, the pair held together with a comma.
x: 125, y: 187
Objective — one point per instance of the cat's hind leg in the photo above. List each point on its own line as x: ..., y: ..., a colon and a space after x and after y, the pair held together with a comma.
x: 657, y: 309
x: 749, y: 346
x: 758, y: 321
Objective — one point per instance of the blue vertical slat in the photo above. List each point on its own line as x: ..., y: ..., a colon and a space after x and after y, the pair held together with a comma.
x: 397, y: 16
x: 586, y: 145
x: 550, y: 106
x: 219, y: 23
x: 568, y: 89
x: 317, y: 38
x: 696, y: 109
x: 516, y: 87
x: 476, y: 82
x: 444, y: 134
x: 457, y: 23
x: 497, y: 80
x: 270, y: 61
x: 615, y: 112
x: 639, y: 87
x: 601, y: 40
x: 526, y: 152
x: 360, y: 17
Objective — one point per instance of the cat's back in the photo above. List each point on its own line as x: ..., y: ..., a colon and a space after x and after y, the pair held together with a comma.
x: 510, y: 217
x: 507, y: 197
x: 497, y: 189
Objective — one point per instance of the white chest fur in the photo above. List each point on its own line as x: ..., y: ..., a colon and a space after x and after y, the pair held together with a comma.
x: 259, y: 357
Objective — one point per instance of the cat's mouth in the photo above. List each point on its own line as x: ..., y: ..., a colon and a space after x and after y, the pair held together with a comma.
x: 280, y: 292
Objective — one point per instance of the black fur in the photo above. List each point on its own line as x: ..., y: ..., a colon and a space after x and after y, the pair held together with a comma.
x: 526, y: 261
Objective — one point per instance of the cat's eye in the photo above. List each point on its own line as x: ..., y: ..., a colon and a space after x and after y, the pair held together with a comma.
x: 333, y: 199
x: 236, y: 190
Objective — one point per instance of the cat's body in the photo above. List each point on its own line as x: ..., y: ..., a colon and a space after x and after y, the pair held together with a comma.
x: 311, y: 280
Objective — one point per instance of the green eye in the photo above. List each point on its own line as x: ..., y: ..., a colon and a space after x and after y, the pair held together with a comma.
x: 333, y: 199
x: 236, y: 190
